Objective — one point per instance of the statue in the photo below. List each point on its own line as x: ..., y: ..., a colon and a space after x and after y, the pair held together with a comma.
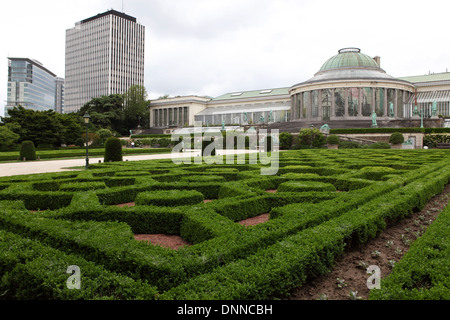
x: 270, y: 116
x: 245, y: 117
x: 325, y: 129
x: 374, y: 120
x: 223, y: 124
x: 434, y: 109
x: 391, y: 109
x: 262, y: 119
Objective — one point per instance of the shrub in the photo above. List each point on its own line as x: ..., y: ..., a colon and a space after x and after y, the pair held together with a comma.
x: 396, y: 138
x: 28, y: 150
x: 169, y: 198
x: 305, y: 186
x: 349, y: 145
x: 378, y: 145
x: 80, y: 142
x: 305, y: 136
x: 285, y: 140
x: 113, y: 150
x: 333, y: 139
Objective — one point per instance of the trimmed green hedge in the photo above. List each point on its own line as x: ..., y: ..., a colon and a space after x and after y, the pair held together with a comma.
x: 31, y: 270
x: 304, y: 186
x: 306, y: 230
x: 169, y: 198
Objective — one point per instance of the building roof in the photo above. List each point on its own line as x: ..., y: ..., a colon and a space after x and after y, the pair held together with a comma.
x: 349, y: 58
x: 445, y: 76
x: 253, y: 94
x: 113, y: 12
x: 34, y: 63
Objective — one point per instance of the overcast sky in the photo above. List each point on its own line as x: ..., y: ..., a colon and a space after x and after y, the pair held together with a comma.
x: 212, y: 47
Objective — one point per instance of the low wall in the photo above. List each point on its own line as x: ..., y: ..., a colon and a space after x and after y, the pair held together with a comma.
x: 416, y: 137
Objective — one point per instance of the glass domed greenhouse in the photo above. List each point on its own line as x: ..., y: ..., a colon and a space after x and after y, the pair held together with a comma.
x: 351, y: 86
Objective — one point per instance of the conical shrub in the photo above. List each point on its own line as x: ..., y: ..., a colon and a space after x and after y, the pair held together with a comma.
x: 113, y: 150
x: 27, y: 150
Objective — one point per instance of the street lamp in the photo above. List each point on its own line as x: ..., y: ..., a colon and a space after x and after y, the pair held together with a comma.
x: 86, y: 118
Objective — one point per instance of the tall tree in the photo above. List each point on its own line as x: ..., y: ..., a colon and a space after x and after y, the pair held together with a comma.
x: 43, y: 127
x: 106, y: 112
x: 136, y: 107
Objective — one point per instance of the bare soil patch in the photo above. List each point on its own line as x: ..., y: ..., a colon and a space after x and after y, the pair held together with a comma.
x: 169, y: 241
x: 382, y: 251
x: 255, y: 220
x: 271, y: 191
x: 129, y: 204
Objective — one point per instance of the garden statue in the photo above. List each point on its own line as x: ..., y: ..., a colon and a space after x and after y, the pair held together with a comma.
x: 325, y: 129
x: 223, y: 124
x: 245, y: 117
x: 391, y: 109
x: 261, y: 119
x: 374, y: 120
x: 434, y: 109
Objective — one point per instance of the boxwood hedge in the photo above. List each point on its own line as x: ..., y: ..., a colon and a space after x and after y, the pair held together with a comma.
x: 307, y: 230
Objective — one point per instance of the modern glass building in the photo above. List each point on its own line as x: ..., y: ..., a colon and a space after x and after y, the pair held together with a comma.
x: 31, y: 85
x: 104, y: 56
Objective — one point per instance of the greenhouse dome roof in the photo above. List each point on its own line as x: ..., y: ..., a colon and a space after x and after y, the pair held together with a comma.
x: 349, y: 58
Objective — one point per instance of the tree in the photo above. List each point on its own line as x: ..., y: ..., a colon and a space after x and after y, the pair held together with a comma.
x: 41, y: 127
x: 104, y: 134
x: 106, y: 113
x: 136, y: 107
x: 7, y: 138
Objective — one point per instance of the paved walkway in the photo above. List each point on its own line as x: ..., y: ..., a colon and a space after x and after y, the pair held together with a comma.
x: 45, y: 166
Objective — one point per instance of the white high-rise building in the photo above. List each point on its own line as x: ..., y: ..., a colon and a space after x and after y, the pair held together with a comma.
x: 104, y: 55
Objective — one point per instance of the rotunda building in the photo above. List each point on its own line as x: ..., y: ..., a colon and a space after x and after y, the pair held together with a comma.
x: 350, y: 86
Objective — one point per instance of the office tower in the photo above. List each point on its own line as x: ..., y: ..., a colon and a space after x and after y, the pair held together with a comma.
x: 59, y: 95
x: 30, y: 85
x: 104, y: 55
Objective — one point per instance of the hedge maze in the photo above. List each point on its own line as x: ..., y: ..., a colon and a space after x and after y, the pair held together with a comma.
x: 325, y: 202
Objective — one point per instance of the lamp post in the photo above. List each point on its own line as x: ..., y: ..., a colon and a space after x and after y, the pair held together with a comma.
x: 86, y: 118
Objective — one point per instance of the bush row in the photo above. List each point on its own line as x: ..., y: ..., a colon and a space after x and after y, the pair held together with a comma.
x: 32, y: 270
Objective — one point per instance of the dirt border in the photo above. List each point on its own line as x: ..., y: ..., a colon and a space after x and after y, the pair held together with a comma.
x: 382, y: 251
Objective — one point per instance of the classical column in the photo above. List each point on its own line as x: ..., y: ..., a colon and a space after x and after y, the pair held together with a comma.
x: 385, y: 109
x: 360, y: 102
x: 374, y: 93
x: 332, y: 111
x: 395, y: 102
x: 300, y: 105
x: 346, y: 103
x: 294, y: 107
x: 319, y: 105
x: 309, y: 105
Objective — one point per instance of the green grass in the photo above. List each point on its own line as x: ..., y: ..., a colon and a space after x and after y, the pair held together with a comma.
x: 12, y: 156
